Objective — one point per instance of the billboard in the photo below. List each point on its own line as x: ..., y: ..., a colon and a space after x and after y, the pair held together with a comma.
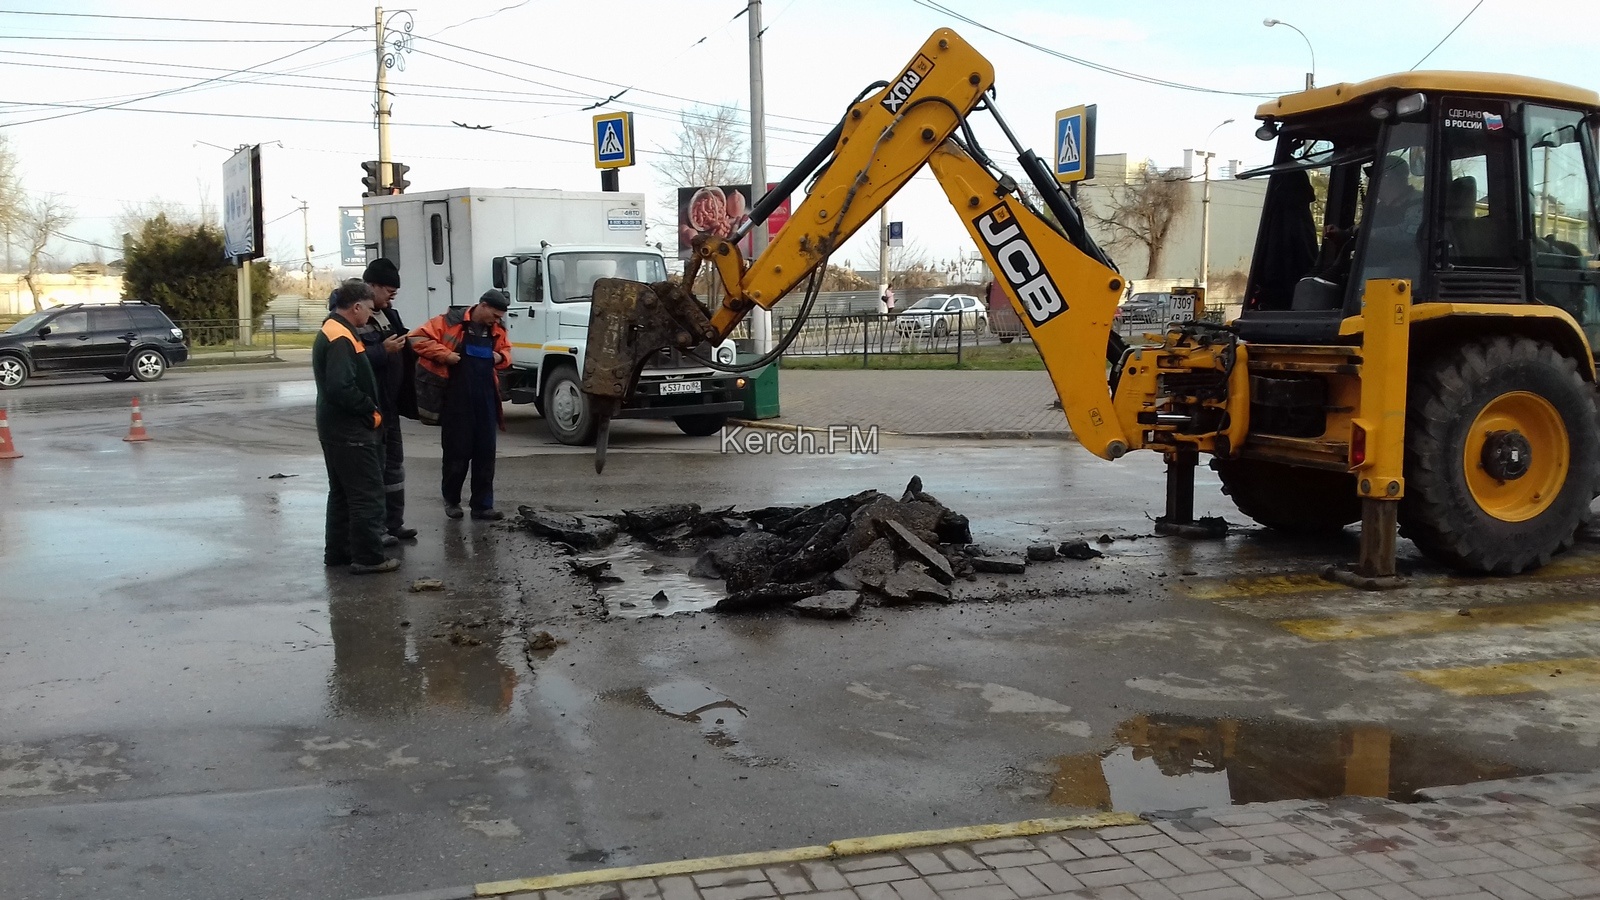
x: 721, y: 210
x: 243, y: 232
x: 352, y: 236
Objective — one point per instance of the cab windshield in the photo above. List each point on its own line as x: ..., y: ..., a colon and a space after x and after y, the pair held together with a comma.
x: 31, y: 323
x: 572, y: 275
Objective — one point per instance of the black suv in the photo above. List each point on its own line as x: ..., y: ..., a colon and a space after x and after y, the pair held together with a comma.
x: 116, y: 340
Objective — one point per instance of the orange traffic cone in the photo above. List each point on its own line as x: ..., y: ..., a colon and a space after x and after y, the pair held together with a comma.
x: 8, y: 450
x: 136, y: 430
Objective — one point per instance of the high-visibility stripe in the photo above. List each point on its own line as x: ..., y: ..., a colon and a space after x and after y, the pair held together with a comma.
x: 528, y: 346
x: 1438, y: 621
x: 333, y: 330
x: 1580, y: 674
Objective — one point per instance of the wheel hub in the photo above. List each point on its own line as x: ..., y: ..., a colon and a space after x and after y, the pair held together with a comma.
x: 1507, y: 455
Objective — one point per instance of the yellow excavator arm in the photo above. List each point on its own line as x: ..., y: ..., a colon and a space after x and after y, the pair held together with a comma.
x: 1063, y: 288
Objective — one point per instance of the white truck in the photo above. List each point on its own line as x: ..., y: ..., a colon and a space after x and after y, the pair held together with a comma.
x: 545, y: 248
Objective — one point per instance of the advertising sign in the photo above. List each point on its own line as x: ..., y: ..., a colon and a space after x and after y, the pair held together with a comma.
x: 352, y: 236
x: 721, y: 210
x: 242, y: 227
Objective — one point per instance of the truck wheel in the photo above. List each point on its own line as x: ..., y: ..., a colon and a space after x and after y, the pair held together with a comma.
x: 702, y: 425
x: 1502, y: 455
x: 566, y: 409
x: 1291, y: 499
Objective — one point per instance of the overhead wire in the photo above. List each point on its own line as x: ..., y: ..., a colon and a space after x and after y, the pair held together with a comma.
x: 1447, y: 36
x: 1099, y: 67
x: 180, y: 89
x: 79, y: 15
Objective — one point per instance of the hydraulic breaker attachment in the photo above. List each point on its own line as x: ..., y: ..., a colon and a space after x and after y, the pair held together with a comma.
x: 629, y: 322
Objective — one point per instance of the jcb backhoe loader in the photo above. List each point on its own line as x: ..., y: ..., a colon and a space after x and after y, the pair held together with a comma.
x: 1415, y: 341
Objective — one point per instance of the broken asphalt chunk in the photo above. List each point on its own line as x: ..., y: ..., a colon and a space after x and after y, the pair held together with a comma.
x: 912, y: 583
x: 1079, y: 550
x: 999, y: 565
x: 918, y: 550
x: 426, y: 584
x: 764, y: 596
x: 657, y: 518
x: 1041, y: 552
x: 583, y: 532
x: 829, y: 605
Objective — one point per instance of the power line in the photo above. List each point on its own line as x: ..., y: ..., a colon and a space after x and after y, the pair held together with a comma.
x: 185, y: 88
x: 70, y: 15
x: 485, y: 16
x: 1447, y: 36
x: 163, y: 40
x: 1099, y: 67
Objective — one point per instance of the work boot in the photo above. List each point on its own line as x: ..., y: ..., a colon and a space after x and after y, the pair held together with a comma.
x: 389, y: 540
x: 488, y: 515
x: 404, y: 533
x: 452, y: 511
x: 388, y: 565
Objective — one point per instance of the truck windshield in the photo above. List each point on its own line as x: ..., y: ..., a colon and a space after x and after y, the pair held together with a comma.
x: 572, y: 275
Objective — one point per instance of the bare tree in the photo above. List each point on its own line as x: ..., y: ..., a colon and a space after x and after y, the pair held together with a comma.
x: 12, y: 200
x: 1141, y: 212
x: 40, y: 221
x: 712, y: 148
x: 904, y: 259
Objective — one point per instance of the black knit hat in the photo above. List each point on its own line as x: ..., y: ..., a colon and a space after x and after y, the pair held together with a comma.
x: 383, y: 273
x: 496, y: 298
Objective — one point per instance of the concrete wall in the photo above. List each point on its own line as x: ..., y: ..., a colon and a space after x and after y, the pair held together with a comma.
x: 57, y: 290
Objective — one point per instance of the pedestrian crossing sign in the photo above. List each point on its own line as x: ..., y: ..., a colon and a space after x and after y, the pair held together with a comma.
x: 613, y: 140
x: 1074, y: 144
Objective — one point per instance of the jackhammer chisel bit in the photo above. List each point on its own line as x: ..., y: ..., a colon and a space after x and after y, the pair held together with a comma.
x: 629, y: 322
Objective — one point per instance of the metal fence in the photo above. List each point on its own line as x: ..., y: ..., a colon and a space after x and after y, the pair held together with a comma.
x: 873, y: 334
x: 230, y: 340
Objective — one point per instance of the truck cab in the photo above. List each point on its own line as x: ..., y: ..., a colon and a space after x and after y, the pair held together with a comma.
x: 546, y: 248
x: 548, y: 323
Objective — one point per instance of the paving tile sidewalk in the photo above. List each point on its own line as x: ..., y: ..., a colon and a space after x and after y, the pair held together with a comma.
x: 1526, y: 838
x: 922, y: 401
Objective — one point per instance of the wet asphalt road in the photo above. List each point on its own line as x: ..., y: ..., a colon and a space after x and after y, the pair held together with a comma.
x: 190, y: 706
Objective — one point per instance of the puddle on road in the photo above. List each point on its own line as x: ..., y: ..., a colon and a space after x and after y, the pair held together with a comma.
x: 645, y: 575
x: 719, y: 718
x: 1178, y: 762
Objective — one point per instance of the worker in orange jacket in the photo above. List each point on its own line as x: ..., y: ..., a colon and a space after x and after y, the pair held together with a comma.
x: 468, y: 348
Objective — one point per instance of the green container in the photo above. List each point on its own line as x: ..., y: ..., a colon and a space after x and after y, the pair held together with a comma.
x: 761, y: 394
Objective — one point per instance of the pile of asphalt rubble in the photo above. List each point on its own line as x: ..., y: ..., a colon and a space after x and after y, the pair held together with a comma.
x: 824, y: 560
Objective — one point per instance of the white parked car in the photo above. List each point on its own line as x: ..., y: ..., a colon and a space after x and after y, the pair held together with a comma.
x: 941, y: 314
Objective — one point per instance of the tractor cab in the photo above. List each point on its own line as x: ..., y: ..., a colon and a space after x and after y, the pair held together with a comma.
x: 1478, y: 189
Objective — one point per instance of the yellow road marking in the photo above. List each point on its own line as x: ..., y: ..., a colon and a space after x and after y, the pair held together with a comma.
x: 1568, y: 566
x: 1499, y: 680
x: 848, y: 847
x: 1349, y: 628
x: 1262, y: 586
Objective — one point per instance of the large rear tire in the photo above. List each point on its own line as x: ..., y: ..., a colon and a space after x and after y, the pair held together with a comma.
x: 1291, y: 499
x: 1502, y: 455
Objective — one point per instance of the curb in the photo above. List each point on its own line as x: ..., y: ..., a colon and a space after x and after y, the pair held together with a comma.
x: 979, y: 435
x: 848, y: 847
x: 882, y: 843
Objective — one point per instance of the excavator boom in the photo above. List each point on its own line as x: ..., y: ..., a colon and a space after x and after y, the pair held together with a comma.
x: 1061, y: 285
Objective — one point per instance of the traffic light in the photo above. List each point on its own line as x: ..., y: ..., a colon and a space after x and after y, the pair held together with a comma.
x: 373, y: 180
x: 397, y: 181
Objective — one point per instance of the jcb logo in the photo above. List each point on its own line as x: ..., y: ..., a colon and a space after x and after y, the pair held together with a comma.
x: 901, y: 90
x: 1017, y: 262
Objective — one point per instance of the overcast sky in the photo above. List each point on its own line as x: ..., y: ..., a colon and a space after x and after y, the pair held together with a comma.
x: 529, y: 69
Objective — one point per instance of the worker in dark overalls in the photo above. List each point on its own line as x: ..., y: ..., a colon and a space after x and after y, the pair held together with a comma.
x: 468, y: 348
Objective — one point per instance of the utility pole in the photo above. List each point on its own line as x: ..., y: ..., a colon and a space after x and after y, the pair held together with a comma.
x: 760, y: 319
x: 1205, y: 221
x: 385, y: 177
x: 305, y: 241
x: 883, y: 247
x: 8, y: 249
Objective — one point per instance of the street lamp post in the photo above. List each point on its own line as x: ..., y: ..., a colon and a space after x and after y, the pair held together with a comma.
x: 1205, y: 209
x: 1311, y: 76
